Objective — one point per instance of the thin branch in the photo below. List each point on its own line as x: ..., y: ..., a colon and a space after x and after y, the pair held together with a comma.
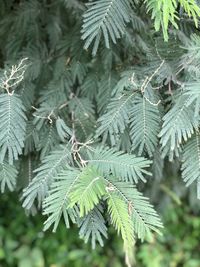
x: 13, y: 76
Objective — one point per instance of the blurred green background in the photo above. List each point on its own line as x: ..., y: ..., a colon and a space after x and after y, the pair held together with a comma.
x: 24, y: 244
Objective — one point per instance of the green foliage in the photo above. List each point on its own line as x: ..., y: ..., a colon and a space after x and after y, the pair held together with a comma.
x: 63, y: 130
x: 8, y: 176
x: 79, y: 128
x: 93, y: 226
x: 24, y: 244
x: 56, y: 204
x: 121, y: 220
x: 145, y: 116
x: 13, y: 127
x: 165, y: 12
x: 124, y: 166
x: 51, y: 166
x: 107, y: 18
x: 116, y: 118
x: 179, y: 124
x: 88, y: 190
x: 141, y: 212
x: 177, y: 248
x: 191, y: 162
x: 190, y: 60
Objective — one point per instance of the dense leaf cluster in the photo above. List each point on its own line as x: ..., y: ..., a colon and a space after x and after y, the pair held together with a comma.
x: 91, y: 99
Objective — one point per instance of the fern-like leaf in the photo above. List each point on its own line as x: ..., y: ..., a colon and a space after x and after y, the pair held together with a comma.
x: 191, y: 162
x: 55, y: 205
x: 48, y: 140
x: 121, y: 220
x: 190, y: 61
x: 143, y: 215
x: 51, y: 166
x: 165, y: 12
x: 8, y: 176
x: 93, y: 226
x: 192, y: 90
x: 87, y: 191
x: 63, y: 130
x: 107, y: 18
x: 116, y: 118
x: 12, y: 127
x: 145, y: 126
x: 106, y: 85
x: 31, y: 139
x: 178, y: 124
x: 126, y: 167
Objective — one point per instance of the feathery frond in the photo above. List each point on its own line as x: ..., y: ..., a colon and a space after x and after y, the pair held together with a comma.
x: 116, y: 118
x: 51, y: 166
x: 143, y: 216
x: 77, y: 131
x: 88, y: 190
x: 190, y: 59
x: 121, y: 220
x: 145, y: 125
x: 93, y: 226
x: 191, y: 89
x: 8, y: 176
x: 191, y: 162
x: 62, y: 129
x: 165, y: 12
x: 56, y: 204
x: 12, y: 127
x: 179, y: 124
x: 124, y: 166
x: 107, y: 18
